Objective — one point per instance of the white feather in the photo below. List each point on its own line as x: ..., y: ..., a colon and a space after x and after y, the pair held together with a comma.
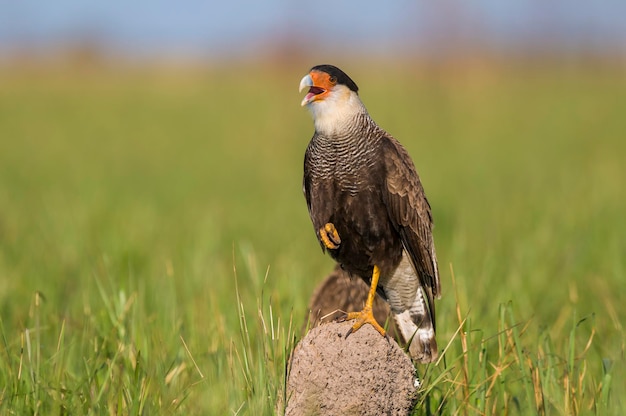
x: 410, y: 311
x: 333, y: 113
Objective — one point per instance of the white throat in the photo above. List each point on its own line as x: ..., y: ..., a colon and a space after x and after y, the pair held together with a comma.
x: 335, y: 113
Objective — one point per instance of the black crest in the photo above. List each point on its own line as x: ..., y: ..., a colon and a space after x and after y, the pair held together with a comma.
x: 342, y: 77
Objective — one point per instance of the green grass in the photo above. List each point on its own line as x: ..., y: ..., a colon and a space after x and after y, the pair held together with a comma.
x: 156, y: 256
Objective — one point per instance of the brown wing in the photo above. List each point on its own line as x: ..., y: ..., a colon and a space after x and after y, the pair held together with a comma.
x: 409, y: 212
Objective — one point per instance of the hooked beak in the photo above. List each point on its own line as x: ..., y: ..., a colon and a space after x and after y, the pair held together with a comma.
x: 307, y: 82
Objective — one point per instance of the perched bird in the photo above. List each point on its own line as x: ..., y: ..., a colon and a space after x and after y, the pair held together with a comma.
x: 369, y: 210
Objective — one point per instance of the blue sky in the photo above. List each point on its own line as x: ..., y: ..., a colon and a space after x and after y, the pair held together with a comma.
x: 211, y: 28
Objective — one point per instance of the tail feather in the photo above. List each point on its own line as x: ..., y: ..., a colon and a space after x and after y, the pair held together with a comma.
x: 416, y: 327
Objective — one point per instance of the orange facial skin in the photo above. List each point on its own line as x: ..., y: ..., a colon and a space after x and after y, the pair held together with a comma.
x: 322, y: 85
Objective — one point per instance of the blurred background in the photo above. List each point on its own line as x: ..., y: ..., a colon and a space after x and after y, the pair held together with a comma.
x: 151, y: 158
x: 142, y: 31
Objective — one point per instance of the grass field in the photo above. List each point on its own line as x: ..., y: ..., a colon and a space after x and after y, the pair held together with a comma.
x: 156, y: 255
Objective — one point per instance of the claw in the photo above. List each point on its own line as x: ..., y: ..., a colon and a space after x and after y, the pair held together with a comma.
x: 343, y: 317
x: 366, y: 316
x: 330, y: 236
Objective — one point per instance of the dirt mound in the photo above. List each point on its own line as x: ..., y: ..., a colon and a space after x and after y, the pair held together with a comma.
x: 363, y: 374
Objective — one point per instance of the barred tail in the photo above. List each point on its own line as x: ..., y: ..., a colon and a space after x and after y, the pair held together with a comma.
x: 418, y: 330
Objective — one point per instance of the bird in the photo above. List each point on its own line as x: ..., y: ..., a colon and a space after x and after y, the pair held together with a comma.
x: 369, y: 210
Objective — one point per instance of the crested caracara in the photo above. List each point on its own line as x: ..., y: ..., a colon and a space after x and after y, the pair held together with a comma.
x: 369, y: 209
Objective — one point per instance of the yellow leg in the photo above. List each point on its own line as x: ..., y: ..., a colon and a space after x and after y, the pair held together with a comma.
x: 366, y: 316
x: 330, y: 236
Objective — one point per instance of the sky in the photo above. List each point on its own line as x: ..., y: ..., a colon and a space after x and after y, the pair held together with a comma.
x: 235, y: 28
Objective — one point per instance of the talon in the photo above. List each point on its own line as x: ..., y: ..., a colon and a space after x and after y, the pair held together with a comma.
x: 330, y: 236
x: 366, y: 316
x: 343, y: 317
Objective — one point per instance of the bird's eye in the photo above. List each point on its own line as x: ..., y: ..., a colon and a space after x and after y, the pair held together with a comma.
x: 333, y: 79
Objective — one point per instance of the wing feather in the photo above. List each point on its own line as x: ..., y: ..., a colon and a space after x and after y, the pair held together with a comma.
x: 313, y: 190
x: 410, y: 213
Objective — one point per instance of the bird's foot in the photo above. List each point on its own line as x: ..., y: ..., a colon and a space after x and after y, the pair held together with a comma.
x: 366, y: 316
x: 330, y: 236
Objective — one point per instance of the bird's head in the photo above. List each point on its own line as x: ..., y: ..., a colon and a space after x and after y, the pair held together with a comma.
x: 324, y: 82
x: 332, y: 97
